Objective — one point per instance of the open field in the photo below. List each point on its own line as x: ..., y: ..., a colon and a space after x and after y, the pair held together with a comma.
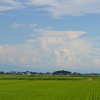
x: 49, y: 87
x: 49, y: 90
x: 49, y: 77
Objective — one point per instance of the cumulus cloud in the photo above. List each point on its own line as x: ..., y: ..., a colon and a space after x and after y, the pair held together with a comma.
x: 48, y: 39
x: 97, y: 62
x: 50, y: 48
x: 1, y: 48
x: 65, y: 48
x: 20, y: 55
x: 67, y: 34
x: 64, y: 57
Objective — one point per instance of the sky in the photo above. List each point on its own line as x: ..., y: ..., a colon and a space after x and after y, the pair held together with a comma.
x: 50, y: 35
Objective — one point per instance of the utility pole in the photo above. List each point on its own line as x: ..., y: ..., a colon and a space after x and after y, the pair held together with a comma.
x: 86, y: 70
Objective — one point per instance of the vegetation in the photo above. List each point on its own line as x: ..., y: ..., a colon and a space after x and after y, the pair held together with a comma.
x: 62, y: 72
x: 49, y: 77
x: 60, y: 87
x: 49, y: 90
x: 43, y: 77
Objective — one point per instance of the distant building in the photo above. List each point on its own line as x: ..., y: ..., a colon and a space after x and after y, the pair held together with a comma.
x: 13, y: 72
x: 20, y: 73
x: 48, y: 73
x: 26, y: 73
x: 75, y: 73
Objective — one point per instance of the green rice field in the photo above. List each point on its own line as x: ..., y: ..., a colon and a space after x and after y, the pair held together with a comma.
x: 49, y: 89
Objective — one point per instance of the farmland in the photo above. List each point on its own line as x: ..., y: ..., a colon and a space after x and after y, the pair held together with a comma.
x: 41, y: 77
x: 16, y: 88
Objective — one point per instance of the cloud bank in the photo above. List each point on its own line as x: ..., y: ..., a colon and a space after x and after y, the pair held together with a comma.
x: 52, y: 49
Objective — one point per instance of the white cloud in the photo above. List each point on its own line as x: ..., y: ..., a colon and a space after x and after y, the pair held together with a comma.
x: 65, y: 48
x: 56, y: 52
x: 20, y: 55
x: 48, y: 27
x: 33, y: 25
x: 30, y: 41
x: 97, y: 62
x: 36, y: 60
x: 48, y: 39
x: 1, y: 48
x: 59, y: 8
x: 67, y: 34
x: 6, y: 8
x: 17, y: 25
x: 66, y: 59
x: 50, y: 48
x: 10, y: 4
x: 4, y: 14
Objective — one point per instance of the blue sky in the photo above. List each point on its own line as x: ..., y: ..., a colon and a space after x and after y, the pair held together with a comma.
x: 46, y: 35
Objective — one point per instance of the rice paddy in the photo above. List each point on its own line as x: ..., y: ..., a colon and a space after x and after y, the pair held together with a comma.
x: 49, y: 89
